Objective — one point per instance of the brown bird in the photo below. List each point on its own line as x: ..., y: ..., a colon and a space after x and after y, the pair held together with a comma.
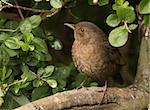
x: 92, y: 53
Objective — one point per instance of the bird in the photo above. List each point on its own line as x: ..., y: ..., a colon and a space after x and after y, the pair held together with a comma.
x: 92, y: 54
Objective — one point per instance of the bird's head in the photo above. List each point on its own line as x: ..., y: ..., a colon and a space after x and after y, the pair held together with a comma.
x: 84, y: 30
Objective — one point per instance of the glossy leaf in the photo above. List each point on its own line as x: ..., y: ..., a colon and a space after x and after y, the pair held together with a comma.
x: 41, y: 56
x: 25, y: 26
x: 35, y: 20
x: 24, y: 46
x: 144, y: 7
x: 27, y: 74
x: 40, y: 92
x: 37, y: 83
x: 119, y: 2
x: 40, y: 45
x: 21, y: 99
x: 28, y: 37
x: 12, y: 43
x: 113, y: 20
x: 52, y: 83
x: 11, y: 52
x: 133, y: 26
x: 57, y: 45
x: 4, y: 56
x: 118, y: 37
x: 1, y: 101
x: 56, y: 3
x: 3, y: 36
x: 126, y: 14
x: 48, y: 71
x: 103, y: 2
x: 11, y: 24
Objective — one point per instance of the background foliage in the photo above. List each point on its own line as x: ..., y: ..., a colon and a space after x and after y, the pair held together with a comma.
x: 35, y: 49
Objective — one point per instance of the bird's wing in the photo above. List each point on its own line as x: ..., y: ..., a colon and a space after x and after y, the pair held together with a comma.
x: 114, y: 54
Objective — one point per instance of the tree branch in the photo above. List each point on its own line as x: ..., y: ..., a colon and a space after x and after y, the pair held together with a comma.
x: 134, y: 97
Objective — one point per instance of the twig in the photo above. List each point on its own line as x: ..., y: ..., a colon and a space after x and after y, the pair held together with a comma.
x: 26, y: 8
x: 8, y: 30
x: 19, y: 11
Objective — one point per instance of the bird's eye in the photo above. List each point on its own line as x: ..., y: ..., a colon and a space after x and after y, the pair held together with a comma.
x: 82, y: 30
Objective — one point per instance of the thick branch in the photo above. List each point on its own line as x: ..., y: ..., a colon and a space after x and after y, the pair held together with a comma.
x: 135, y: 97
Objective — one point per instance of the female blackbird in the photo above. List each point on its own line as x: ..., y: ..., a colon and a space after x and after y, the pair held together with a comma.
x: 92, y: 53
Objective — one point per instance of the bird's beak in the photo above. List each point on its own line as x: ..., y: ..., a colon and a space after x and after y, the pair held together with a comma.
x: 72, y: 26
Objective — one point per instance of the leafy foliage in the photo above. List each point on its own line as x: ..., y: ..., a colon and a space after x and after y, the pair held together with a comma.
x: 144, y: 8
x: 27, y: 71
x: 124, y: 14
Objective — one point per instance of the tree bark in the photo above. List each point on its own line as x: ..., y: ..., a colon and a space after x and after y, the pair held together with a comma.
x: 134, y: 97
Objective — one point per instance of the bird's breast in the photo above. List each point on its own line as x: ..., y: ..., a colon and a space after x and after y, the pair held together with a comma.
x: 88, y: 57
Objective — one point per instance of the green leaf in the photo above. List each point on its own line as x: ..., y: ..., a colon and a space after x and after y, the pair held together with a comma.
x: 144, y: 7
x: 27, y: 74
x: 118, y: 37
x: 126, y: 14
x: 113, y: 20
x: 147, y: 20
x: 125, y: 4
x: 24, y: 46
x: 4, y: 57
x: 15, y: 89
x: 56, y: 3
x: 35, y: 20
x: 119, y: 2
x: 28, y: 37
x: 52, y: 83
x: 40, y: 45
x: 31, y: 47
x: 50, y: 38
x: 11, y: 52
x: 48, y: 71
x: 63, y: 72
x: 12, y: 43
x: 21, y: 99
x: 37, y: 83
x: 11, y: 24
x: 92, y: 2
x: 40, y: 72
x: 3, y: 73
x: 9, y: 102
x: 57, y: 45
x: 38, y: 32
x: 40, y: 92
x: 41, y: 56
x: 1, y: 101
x: 133, y: 26
x: 103, y: 2
x: 25, y: 26
x: 9, y: 72
x: 1, y: 92
x: 4, y: 36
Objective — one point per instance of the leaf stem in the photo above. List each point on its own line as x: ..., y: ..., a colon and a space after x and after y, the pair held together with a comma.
x: 126, y: 26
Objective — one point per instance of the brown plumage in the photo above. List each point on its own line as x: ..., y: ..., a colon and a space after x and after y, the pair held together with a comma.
x: 91, y: 52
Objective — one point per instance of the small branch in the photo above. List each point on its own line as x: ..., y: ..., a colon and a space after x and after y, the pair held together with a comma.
x: 8, y: 30
x: 19, y: 11
x: 25, y: 8
x: 47, y: 13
